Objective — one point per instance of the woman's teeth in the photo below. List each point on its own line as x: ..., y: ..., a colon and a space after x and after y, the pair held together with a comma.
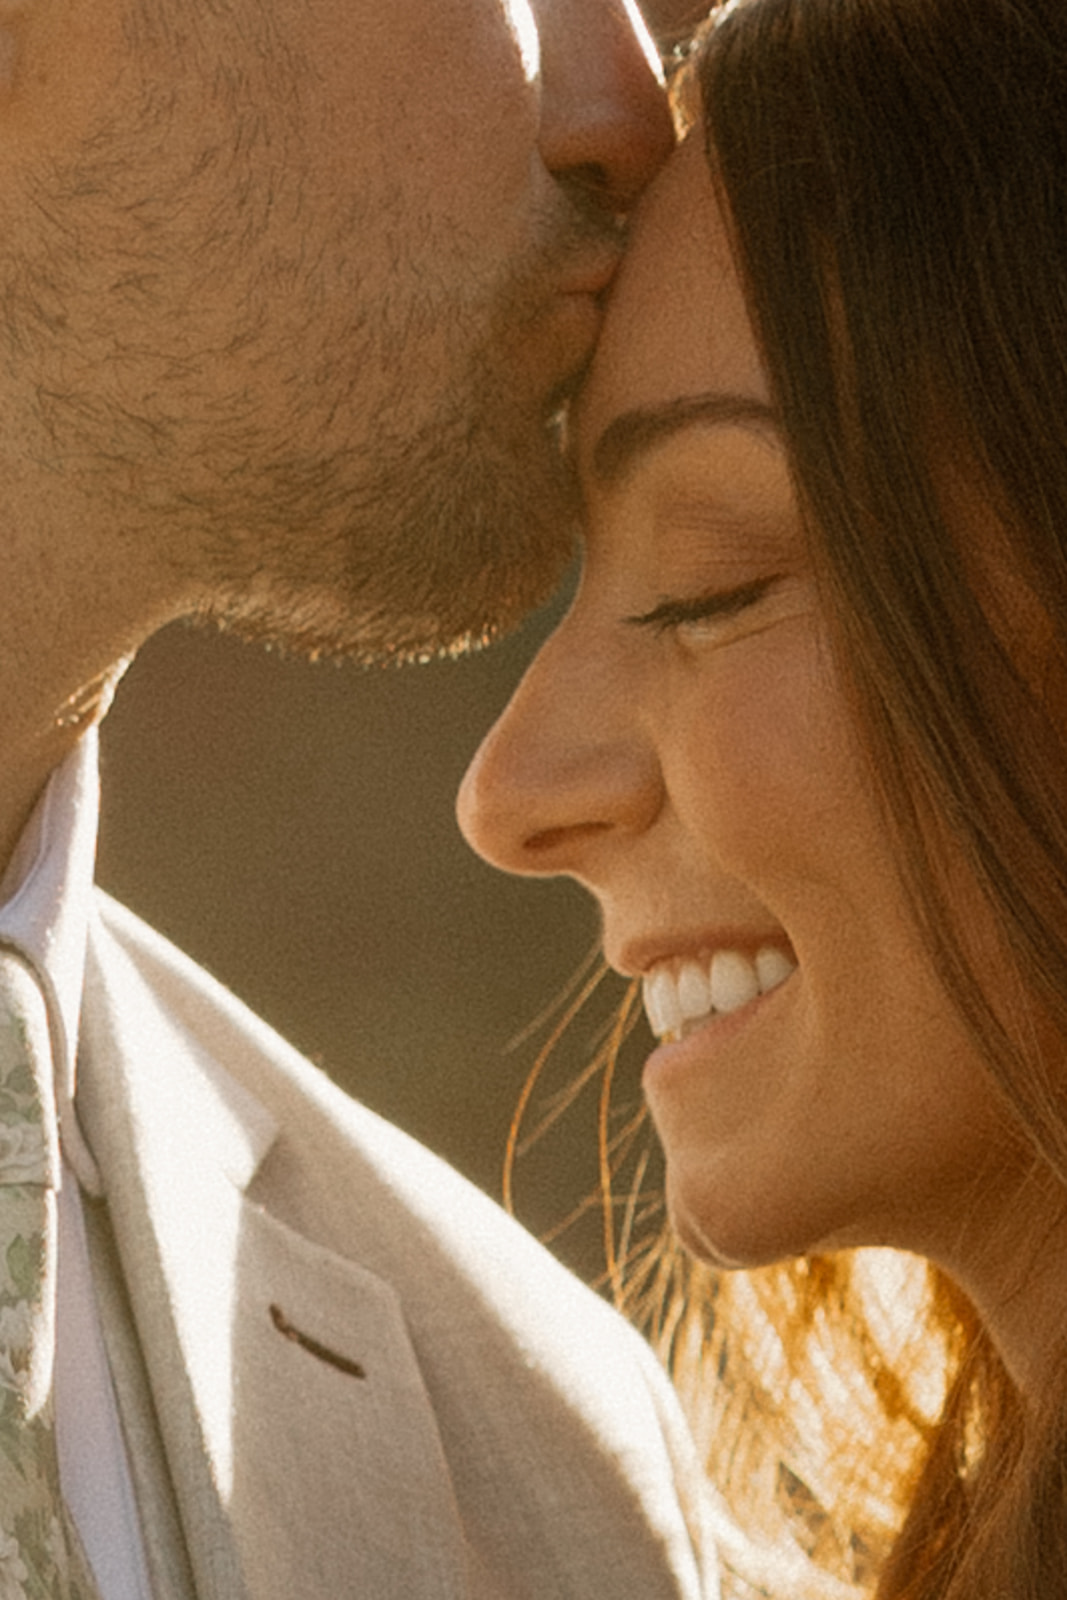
x: 678, y: 999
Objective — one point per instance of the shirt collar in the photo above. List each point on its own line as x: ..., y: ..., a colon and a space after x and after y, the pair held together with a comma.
x: 45, y: 902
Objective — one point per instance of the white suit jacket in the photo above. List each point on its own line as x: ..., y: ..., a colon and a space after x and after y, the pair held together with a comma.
x: 367, y: 1381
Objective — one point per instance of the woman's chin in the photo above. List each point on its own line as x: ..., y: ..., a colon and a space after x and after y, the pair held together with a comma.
x: 716, y: 1230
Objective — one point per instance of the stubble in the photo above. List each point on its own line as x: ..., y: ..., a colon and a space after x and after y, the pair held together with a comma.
x: 318, y: 458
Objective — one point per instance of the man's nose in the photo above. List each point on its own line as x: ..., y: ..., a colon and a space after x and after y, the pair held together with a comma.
x: 566, y: 776
x: 605, y: 123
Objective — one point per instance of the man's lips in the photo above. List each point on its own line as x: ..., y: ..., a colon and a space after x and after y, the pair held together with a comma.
x: 592, y: 272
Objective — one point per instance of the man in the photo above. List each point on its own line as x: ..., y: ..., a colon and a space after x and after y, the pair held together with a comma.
x: 291, y: 293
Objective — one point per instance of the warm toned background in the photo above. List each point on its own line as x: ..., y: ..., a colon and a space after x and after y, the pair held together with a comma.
x: 291, y: 827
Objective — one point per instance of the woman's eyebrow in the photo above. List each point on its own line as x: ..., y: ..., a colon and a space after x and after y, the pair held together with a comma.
x: 632, y: 433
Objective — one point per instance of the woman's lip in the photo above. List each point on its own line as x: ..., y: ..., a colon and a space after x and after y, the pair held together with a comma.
x: 672, y: 1057
x: 637, y: 957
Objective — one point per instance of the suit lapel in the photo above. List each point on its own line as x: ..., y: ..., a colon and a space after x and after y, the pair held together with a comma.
x: 300, y: 1440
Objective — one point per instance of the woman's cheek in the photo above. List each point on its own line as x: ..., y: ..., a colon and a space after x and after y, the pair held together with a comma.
x: 765, y: 767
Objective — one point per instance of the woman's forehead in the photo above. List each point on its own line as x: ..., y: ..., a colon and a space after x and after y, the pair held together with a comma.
x: 676, y: 327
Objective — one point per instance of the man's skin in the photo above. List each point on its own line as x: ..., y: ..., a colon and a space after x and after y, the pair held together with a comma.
x: 289, y: 293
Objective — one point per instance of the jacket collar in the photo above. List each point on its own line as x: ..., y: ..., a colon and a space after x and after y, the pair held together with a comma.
x: 301, y: 1443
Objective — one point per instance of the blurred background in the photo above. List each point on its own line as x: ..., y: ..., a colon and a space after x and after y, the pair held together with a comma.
x: 291, y: 827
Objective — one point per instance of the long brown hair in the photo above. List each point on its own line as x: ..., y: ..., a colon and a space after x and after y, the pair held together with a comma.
x: 895, y: 175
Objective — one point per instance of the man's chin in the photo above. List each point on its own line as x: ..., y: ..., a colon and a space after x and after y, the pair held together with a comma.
x: 433, y: 543
x: 322, y: 624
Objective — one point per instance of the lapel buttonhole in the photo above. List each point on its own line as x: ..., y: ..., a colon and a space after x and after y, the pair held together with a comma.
x: 320, y: 1351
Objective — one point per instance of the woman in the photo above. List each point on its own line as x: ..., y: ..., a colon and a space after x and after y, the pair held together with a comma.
x: 803, y: 734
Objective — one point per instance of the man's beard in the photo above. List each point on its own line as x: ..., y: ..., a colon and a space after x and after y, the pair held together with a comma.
x: 419, y: 542
x: 316, y: 460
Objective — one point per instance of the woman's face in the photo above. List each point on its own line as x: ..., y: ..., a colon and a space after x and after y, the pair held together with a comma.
x: 683, y: 746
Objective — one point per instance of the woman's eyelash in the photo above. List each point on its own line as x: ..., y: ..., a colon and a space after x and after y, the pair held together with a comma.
x: 703, y: 608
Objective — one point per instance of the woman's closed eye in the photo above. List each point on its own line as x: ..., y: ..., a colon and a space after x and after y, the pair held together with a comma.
x: 700, y: 615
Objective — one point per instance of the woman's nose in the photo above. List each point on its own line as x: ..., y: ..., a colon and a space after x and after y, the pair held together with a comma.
x: 566, y: 774
x: 605, y: 124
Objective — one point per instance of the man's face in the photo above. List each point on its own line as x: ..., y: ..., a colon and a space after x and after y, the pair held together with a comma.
x: 293, y: 288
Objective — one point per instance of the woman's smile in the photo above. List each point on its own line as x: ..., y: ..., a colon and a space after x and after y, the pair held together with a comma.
x: 684, y: 747
x: 681, y: 996
x: 803, y: 735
